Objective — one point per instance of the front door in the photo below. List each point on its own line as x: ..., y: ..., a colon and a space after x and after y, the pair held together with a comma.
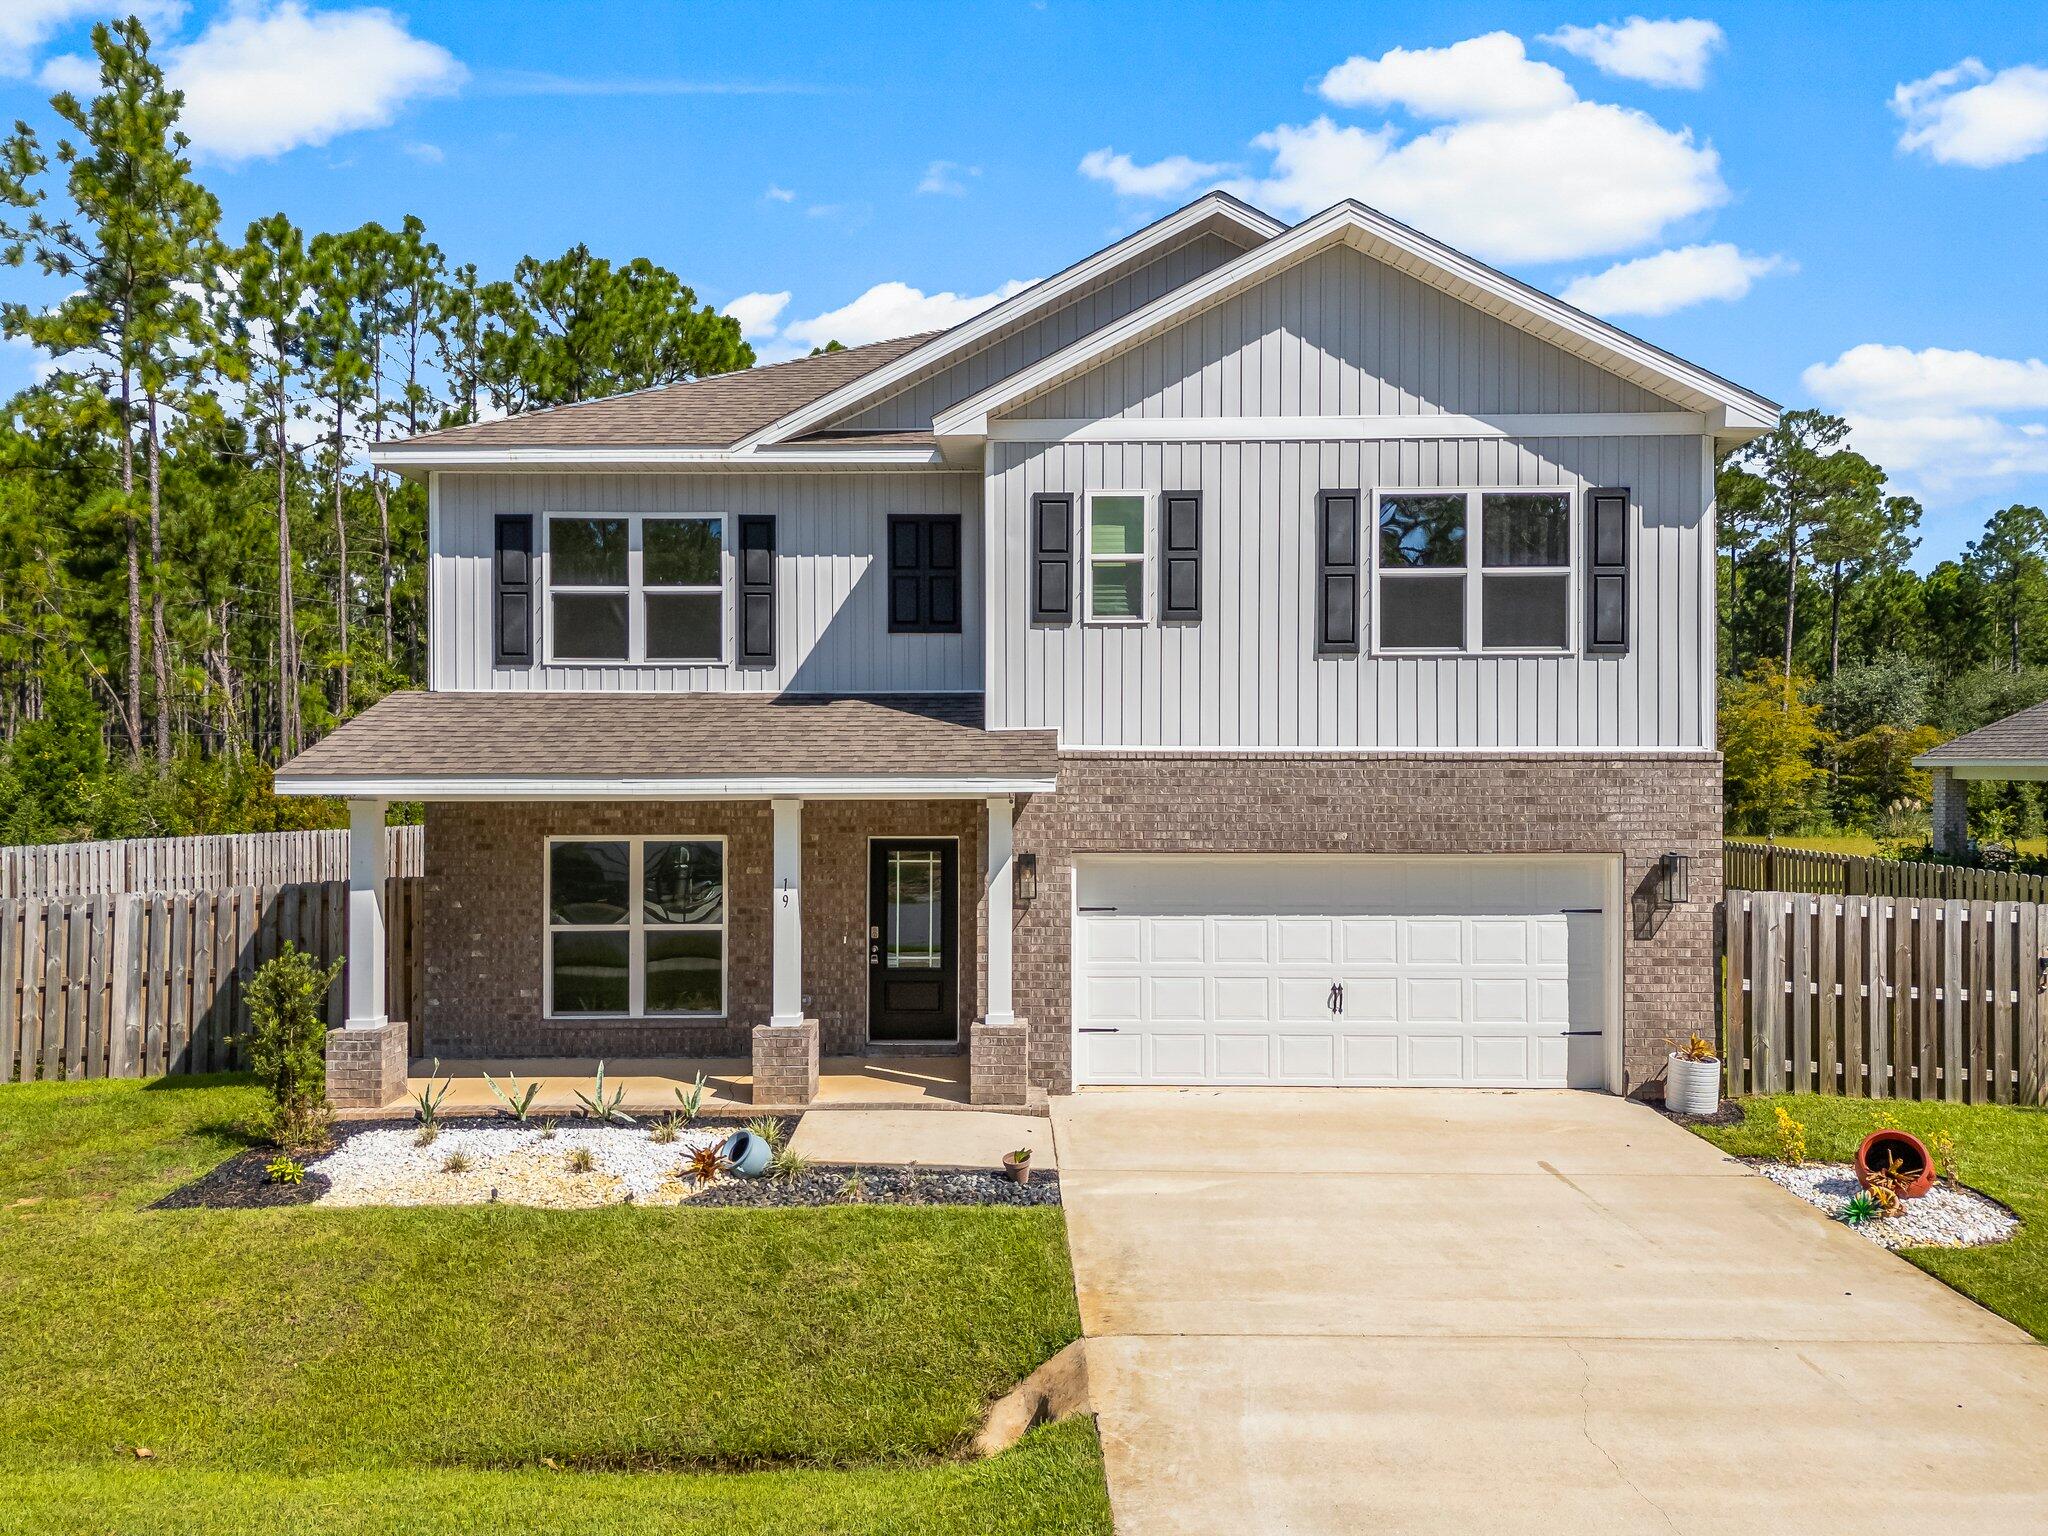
x: 913, y: 949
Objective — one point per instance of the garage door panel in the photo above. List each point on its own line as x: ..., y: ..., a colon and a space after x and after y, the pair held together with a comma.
x: 1453, y: 971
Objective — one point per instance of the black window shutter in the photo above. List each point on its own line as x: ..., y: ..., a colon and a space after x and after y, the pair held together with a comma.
x: 512, y: 559
x: 1337, y: 573
x: 1052, y: 558
x: 757, y: 592
x: 924, y: 575
x: 1607, y: 571
x: 1180, y: 599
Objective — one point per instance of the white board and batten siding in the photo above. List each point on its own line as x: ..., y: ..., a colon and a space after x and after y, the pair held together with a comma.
x: 832, y: 611
x: 1247, y: 675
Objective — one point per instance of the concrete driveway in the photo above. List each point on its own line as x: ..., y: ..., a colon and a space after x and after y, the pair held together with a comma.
x: 1410, y: 1311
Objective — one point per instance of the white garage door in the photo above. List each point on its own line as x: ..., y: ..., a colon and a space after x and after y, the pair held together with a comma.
x: 1487, y: 972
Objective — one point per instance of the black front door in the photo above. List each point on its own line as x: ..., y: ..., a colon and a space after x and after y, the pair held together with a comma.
x: 913, y: 949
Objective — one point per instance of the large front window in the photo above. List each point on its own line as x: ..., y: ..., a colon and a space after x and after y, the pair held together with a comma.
x: 636, y: 926
x: 636, y: 588
x: 1474, y: 571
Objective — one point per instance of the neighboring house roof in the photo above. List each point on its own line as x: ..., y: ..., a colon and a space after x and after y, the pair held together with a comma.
x: 644, y: 745
x: 1730, y: 412
x: 716, y: 411
x: 2018, y: 741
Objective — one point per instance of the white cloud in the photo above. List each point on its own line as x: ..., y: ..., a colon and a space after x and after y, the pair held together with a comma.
x: 1939, y: 417
x: 26, y: 25
x: 425, y: 153
x: 776, y: 194
x: 1162, y: 178
x: 1668, y: 53
x: 1584, y: 180
x: 1672, y: 280
x: 757, y: 312
x: 1486, y: 76
x: 947, y: 178
x: 894, y: 309
x: 1969, y: 116
x: 267, y: 78
x: 75, y: 72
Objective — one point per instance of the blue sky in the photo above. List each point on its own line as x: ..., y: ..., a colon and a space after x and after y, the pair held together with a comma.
x: 1834, y: 205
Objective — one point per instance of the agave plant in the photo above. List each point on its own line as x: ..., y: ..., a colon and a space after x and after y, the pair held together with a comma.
x: 426, y: 1104
x: 769, y: 1129
x: 519, y: 1102
x: 692, y: 1100
x: 706, y: 1163
x: 1861, y: 1208
x: 788, y: 1164
x: 604, y: 1107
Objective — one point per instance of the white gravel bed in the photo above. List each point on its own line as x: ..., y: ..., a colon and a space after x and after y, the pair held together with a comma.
x: 514, y: 1165
x: 1944, y: 1217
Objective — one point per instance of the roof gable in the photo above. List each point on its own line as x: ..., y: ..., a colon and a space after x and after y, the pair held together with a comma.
x: 1729, y: 410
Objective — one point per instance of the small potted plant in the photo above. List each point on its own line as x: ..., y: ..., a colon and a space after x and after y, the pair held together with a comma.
x: 1693, y: 1084
x: 1017, y: 1165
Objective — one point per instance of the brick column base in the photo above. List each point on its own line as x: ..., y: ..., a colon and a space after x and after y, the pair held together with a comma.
x: 1949, y: 815
x: 998, y: 1062
x: 366, y: 1067
x: 786, y: 1063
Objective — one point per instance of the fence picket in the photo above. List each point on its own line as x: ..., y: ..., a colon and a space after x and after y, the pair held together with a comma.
x: 153, y: 865
x: 1734, y: 983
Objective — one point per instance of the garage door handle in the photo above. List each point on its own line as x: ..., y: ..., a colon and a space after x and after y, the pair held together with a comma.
x: 1337, y: 997
x: 1097, y: 909
x: 1098, y: 1029
x: 1584, y: 1032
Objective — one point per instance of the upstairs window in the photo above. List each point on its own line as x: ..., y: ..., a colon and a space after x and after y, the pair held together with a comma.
x: 631, y: 589
x: 1462, y: 571
x: 1116, y: 543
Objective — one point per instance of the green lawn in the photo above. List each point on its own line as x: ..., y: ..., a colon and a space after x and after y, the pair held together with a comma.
x: 2002, y: 1151
x: 1864, y: 843
x: 471, y: 1368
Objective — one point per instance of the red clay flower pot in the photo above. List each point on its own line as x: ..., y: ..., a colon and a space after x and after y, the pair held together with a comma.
x: 1878, y: 1150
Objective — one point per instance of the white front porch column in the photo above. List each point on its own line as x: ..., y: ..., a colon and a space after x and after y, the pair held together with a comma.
x: 1001, y: 848
x: 789, y: 928
x: 366, y: 914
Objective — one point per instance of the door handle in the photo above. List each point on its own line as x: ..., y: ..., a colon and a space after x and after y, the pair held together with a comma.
x: 1336, y: 999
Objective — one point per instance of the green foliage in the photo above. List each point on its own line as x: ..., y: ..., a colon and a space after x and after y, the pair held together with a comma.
x: 286, y: 1041
x: 768, y: 1129
x: 517, y: 1102
x: 691, y: 1100
x: 1770, y: 735
x: 1861, y: 1208
x: 788, y: 1164
x: 1788, y: 1137
x: 283, y: 1170
x: 602, y: 1106
x: 427, y: 1101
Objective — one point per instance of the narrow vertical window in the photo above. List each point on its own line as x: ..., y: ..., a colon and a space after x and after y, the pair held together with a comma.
x: 589, y: 589
x: 1116, y: 557
x: 1422, y: 572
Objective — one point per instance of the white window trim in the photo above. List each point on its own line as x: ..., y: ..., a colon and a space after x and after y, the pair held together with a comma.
x: 635, y: 925
x: 1474, y: 570
x: 1143, y: 559
x: 636, y: 589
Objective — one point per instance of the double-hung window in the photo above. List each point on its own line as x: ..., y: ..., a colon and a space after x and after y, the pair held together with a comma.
x: 633, y: 589
x: 636, y: 927
x: 1116, y: 544
x: 1461, y: 571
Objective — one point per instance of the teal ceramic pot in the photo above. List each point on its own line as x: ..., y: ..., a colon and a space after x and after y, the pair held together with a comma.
x: 748, y: 1154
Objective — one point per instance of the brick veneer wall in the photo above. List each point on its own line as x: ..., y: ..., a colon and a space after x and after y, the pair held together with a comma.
x: 486, y: 893
x: 1636, y: 806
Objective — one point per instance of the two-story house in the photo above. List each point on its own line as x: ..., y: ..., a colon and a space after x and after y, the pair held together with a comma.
x: 1255, y: 654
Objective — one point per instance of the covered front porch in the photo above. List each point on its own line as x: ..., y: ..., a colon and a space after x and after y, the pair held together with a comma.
x: 827, y: 930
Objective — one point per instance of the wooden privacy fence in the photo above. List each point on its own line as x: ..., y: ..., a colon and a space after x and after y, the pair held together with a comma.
x: 141, y: 985
x: 1884, y: 997
x: 148, y: 864
x: 1768, y: 867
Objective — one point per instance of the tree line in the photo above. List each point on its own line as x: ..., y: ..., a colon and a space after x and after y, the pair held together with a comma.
x: 199, y: 575
x: 1840, y: 663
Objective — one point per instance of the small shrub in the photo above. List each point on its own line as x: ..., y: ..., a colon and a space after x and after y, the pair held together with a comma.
x: 456, y: 1162
x: 706, y: 1163
x: 582, y: 1160
x: 1697, y: 1047
x: 1791, y: 1138
x: 691, y: 1099
x: 788, y: 1164
x: 1941, y: 1146
x: 284, y: 1170
x: 604, y: 1107
x: 286, y: 1040
x: 769, y: 1129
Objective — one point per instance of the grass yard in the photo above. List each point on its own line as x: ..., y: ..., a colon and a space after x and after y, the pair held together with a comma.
x: 1999, y: 1150
x: 486, y: 1368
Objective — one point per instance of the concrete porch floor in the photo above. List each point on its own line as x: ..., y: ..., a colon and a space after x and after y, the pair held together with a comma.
x: 844, y: 1082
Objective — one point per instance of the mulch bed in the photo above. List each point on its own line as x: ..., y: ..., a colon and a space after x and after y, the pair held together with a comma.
x: 1730, y: 1113
x: 241, y: 1183
x: 884, y: 1186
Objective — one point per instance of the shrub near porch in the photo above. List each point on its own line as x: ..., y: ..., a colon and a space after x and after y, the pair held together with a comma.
x: 2000, y: 1149
x: 284, y: 1343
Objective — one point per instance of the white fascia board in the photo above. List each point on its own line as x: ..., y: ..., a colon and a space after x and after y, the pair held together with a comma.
x: 799, y: 787
x: 1409, y: 251
x: 1039, y: 295
x: 2037, y: 769
x: 1210, y: 429
x: 400, y: 460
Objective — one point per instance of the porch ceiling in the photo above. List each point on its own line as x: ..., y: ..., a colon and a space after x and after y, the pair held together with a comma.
x: 457, y: 746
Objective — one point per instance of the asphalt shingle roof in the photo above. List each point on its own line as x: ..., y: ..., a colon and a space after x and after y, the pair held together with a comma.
x: 2020, y: 738
x: 674, y: 735
x: 712, y: 412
